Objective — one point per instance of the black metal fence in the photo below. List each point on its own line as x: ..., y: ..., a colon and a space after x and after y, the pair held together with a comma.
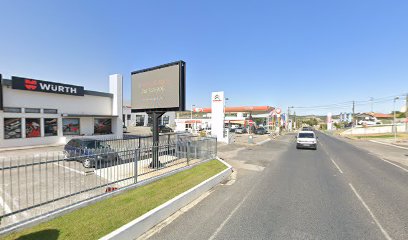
x: 36, y: 185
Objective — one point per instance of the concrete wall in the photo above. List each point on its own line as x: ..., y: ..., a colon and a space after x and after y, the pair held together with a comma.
x: 374, y: 130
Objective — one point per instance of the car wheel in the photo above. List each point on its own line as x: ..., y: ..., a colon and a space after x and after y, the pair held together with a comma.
x: 87, y: 163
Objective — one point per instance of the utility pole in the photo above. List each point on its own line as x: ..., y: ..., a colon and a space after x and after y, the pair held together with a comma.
x: 406, y: 113
x: 353, y: 114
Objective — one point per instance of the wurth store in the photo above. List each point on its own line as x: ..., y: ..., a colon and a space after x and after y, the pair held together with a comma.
x: 38, y: 112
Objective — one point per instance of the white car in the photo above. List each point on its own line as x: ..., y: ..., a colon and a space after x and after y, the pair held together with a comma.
x: 306, y: 139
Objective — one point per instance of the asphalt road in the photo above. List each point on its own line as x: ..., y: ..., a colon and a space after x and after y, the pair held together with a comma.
x: 336, y: 192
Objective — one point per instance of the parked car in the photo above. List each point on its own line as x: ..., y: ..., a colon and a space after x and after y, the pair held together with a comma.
x: 306, y: 139
x: 89, y: 152
x: 163, y: 129
x: 260, y: 131
x: 240, y: 130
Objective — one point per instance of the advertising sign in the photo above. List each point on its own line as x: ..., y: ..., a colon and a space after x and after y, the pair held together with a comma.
x: 12, y: 128
x: 45, y: 86
x: 160, y: 88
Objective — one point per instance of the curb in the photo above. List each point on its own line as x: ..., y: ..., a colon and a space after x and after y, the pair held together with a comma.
x: 140, y: 225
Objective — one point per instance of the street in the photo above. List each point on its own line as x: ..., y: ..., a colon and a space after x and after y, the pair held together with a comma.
x: 338, y: 191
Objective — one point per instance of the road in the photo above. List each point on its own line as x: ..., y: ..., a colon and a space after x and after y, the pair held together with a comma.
x: 336, y: 192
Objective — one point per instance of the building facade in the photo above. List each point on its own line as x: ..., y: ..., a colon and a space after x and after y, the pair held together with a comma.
x: 35, y: 112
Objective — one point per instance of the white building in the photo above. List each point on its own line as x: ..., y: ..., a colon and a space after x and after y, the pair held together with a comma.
x: 140, y: 119
x: 35, y: 112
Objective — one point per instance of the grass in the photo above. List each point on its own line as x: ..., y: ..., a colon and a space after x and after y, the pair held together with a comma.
x: 378, y: 136
x: 97, y: 220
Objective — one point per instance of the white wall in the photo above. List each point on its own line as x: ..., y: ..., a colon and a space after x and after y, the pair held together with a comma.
x: 65, y: 104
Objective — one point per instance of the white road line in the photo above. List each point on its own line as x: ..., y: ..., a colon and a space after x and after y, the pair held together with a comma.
x: 371, y: 213
x: 404, y: 169
x: 388, y: 144
x: 264, y: 141
x: 337, y: 166
x: 70, y: 169
x: 170, y: 219
x: 230, y: 215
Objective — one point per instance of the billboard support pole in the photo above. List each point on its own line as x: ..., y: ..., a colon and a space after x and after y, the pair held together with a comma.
x: 156, y: 142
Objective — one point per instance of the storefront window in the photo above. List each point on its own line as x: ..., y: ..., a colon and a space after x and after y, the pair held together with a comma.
x: 70, y: 126
x: 12, y: 128
x: 102, y: 126
x: 33, y: 128
x: 32, y: 110
x: 50, y: 126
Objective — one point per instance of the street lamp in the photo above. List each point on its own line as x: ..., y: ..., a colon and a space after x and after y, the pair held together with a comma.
x: 191, y: 117
x: 287, y: 120
x: 395, y: 127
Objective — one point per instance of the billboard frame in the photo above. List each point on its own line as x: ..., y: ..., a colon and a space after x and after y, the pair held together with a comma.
x: 182, y: 88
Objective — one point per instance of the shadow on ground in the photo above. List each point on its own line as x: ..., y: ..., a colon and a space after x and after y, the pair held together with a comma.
x: 48, y: 234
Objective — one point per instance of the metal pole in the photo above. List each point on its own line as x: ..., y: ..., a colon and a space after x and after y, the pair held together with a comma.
x: 406, y: 113
x: 395, y: 127
x: 353, y: 115
x: 155, y: 147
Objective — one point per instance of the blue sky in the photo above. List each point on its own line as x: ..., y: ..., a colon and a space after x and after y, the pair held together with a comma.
x: 278, y: 53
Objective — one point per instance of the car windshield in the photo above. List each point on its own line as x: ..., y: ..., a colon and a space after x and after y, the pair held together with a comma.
x: 306, y: 135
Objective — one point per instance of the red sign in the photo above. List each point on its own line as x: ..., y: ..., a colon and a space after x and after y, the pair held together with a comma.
x: 30, y: 84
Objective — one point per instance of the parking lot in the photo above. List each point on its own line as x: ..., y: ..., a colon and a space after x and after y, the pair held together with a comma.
x: 34, y: 182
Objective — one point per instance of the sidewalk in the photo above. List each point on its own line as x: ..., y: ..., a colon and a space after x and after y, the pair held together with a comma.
x: 383, y: 148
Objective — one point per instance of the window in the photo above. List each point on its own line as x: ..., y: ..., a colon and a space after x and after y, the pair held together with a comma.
x: 140, y: 120
x: 165, y: 120
x: 102, y: 126
x: 12, y: 109
x: 32, y: 110
x: 33, y: 127
x: 12, y: 128
x: 128, y: 117
x: 50, y: 126
x: 50, y: 111
x: 70, y: 126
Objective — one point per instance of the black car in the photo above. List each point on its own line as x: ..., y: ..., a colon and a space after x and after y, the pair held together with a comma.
x: 163, y: 129
x: 260, y: 131
x: 89, y: 151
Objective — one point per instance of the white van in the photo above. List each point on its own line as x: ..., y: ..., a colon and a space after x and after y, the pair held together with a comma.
x: 306, y: 139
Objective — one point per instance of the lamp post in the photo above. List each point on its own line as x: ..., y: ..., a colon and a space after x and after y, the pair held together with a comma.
x: 191, y: 117
x: 395, y: 127
x: 287, y: 120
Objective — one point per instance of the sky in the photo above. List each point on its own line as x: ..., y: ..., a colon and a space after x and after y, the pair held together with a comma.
x: 276, y: 53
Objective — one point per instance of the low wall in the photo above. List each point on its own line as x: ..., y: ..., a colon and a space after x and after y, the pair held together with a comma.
x: 373, y: 130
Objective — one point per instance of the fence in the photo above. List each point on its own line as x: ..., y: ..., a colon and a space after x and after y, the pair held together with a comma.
x: 36, y: 185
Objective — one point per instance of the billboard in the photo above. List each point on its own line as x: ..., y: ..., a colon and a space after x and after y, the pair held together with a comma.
x: 160, y: 88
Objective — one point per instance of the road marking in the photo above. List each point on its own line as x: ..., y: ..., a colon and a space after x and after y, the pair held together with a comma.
x: 173, y: 217
x: 371, y: 213
x: 331, y: 159
x: 337, y: 166
x: 70, y: 169
x: 264, y: 141
x: 230, y: 215
x: 388, y: 144
x: 394, y: 164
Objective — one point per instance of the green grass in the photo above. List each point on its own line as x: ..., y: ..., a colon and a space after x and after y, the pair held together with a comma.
x: 378, y: 136
x: 97, y: 220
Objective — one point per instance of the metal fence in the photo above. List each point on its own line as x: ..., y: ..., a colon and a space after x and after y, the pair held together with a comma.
x: 36, y: 185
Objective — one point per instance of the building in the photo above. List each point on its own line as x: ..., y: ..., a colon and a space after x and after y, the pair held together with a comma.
x: 36, y: 112
x: 200, y: 118
x: 142, y: 119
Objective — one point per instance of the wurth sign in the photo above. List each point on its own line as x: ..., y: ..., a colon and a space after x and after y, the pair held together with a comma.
x: 45, y: 86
